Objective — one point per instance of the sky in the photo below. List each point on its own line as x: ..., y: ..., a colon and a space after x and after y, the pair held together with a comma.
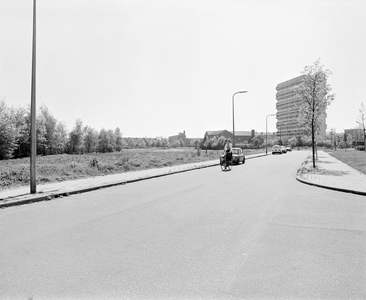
x: 159, y: 67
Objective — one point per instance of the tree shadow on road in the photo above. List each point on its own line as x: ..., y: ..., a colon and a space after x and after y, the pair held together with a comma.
x: 320, y: 171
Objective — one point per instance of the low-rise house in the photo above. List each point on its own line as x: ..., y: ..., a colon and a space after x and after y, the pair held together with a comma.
x: 243, y: 137
x: 258, y: 140
x: 179, y: 137
x: 217, y: 134
x: 357, y: 135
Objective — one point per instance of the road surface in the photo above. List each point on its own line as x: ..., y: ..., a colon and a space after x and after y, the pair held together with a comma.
x: 251, y: 233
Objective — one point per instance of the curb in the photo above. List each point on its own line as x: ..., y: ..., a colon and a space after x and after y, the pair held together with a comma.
x: 330, y: 187
x: 60, y: 194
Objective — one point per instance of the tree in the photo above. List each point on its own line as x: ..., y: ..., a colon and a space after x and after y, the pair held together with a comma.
x: 111, y: 141
x: 361, y: 121
x: 192, y: 143
x: 22, y: 118
x: 333, y: 137
x: 214, y: 143
x: 175, y: 144
x: 182, y: 143
x: 76, y: 138
x: 7, y: 132
x: 90, y: 140
x: 292, y: 141
x: 118, y: 137
x: 141, y: 144
x: 41, y: 132
x: 60, y: 138
x: 164, y: 142
x: 49, y: 122
x: 313, y: 94
x: 349, y: 140
x: 103, y: 141
x: 206, y: 143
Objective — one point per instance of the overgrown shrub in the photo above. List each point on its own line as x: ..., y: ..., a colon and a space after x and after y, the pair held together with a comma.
x: 10, y: 177
x: 106, y: 167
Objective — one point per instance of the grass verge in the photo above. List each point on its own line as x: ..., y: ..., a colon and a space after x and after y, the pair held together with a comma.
x: 56, y: 168
x: 353, y: 158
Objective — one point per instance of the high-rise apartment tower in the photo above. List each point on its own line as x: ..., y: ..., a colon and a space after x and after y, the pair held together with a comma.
x: 288, y: 110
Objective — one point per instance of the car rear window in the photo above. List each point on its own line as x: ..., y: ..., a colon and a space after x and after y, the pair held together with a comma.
x: 235, y: 151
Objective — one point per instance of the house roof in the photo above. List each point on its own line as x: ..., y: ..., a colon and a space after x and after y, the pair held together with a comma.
x: 258, y: 136
x: 242, y: 133
x: 237, y: 133
x: 214, y: 132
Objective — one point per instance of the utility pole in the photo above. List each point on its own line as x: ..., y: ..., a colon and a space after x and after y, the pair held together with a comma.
x: 33, y: 163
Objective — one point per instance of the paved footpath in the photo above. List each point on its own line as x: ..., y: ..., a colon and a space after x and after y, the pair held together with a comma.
x: 49, y: 191
x: 330, y: 173
x: 333, y: 174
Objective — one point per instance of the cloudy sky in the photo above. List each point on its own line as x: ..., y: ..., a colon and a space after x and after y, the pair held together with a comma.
x: 158, y: 67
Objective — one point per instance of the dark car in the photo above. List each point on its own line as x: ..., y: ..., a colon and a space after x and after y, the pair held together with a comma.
x: 276, y: 149
x: 238, y: 156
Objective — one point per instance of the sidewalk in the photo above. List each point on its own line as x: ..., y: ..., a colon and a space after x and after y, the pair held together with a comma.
x: 49, y: 191
x: 330, y: 173
x: 333, y: 174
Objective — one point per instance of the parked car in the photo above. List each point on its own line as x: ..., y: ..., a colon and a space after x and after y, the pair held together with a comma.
x: 276, y: 149
x: 238, y: 156
x: 288, y: 148
x: 283, y: 149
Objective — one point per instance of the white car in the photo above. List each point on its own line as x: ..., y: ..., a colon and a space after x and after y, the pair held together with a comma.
x: 276, y: 149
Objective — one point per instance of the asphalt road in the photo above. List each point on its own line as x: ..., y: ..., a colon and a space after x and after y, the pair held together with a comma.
x: 251, y: 233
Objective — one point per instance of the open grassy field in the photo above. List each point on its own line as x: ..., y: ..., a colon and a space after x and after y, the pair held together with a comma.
x: 55, y: 168
x: 353, y: 158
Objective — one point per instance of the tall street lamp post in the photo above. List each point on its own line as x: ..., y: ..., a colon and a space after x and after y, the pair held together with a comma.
x: 267, y: 130
x: 240, y: 92
x: 33, y: 181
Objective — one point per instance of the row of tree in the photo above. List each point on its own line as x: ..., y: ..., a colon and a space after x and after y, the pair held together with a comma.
x: 53, y: 137
x: 217, y: 143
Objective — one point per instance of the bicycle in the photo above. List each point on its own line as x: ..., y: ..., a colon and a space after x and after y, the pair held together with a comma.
x: 225, y: 163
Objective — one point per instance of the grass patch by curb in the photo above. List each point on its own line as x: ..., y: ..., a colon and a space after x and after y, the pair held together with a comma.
x: 56, y: 168
x: 353, y: 158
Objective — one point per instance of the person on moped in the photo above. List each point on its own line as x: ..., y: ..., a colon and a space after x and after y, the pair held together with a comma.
x: 228, y: 150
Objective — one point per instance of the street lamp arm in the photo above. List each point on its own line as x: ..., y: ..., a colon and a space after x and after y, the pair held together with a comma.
x: 267, y: 130
x: 239, y: 92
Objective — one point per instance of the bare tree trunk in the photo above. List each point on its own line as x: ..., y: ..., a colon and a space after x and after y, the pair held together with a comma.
x: 316, y: 151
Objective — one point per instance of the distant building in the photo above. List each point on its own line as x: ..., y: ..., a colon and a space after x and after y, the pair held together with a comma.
x: 180, y: 137
x: 243, y: 137
x: 288, y: 110
x: 217, y: 133
x: 259, y: 139
x: 357, y: 136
